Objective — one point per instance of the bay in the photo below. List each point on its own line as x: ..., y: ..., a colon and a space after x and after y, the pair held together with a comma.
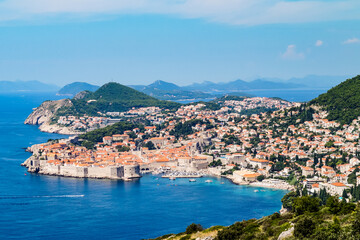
x: 50, y: 207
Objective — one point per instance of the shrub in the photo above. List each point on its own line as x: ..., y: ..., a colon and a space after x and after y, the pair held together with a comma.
x: 305, y: 204
x: 304, y: 227
x: 193, y: 228
x: 260, y: 178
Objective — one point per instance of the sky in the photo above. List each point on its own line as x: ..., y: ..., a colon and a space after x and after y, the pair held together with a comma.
x: 179, y: 41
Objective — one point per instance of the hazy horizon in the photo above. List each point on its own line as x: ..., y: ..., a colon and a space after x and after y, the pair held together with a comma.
x: 148, y: 82
x: 138, y: 42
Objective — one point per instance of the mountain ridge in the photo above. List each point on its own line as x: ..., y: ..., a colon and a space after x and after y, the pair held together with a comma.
x: 74, y: 88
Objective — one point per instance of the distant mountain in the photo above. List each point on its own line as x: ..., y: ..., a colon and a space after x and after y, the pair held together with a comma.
x: 162, y: 85
x: 170, y: 91
x: 73, y: 88
x: 319, y: 82
x: 26, y: 86
x: 207, y: 90
x: 240, y: 85
x: 342, y: 102
x: 112, y: 97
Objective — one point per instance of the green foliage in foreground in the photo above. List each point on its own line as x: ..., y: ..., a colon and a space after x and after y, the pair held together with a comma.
x: 342, y: 101
x: 309, y: 218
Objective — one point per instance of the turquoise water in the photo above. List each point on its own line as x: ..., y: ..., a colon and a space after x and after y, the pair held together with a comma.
x: 49, y: 207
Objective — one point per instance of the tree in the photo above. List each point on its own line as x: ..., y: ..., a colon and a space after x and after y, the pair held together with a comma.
x: 193, y: 228
x: 122, y: 148
x: 288, y: 200
x: 304, y: 227
x: 355, y: 226
x: 150, y: 145
x: 344, y: 194
x: 329, y: 144
x: 333, y: 204
x: 305, y: 204
x: 260, y: 178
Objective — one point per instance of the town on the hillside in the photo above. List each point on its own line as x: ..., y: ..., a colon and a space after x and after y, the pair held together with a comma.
x: 292, y: 147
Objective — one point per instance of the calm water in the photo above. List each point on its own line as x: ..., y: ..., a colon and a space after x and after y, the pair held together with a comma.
x: 290, y: 95
x: 47, y: 207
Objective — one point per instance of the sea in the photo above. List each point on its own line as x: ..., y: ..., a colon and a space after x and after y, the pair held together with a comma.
x: 291, y: 95
x: 35, y: 206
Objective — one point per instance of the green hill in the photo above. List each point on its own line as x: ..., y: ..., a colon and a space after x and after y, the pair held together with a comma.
x: 342, y: 102
x: 113, y: 97
x: 307, y: 218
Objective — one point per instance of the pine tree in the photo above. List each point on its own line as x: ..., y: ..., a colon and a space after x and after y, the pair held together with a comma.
x: 344, y: 194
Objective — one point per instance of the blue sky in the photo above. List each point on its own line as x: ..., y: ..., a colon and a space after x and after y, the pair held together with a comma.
x: 180, y: 41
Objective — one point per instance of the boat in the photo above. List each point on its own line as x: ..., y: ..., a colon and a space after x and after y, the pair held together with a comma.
x: 192, y: 180
x: 256, y: 190
x: 209, y: 181
x: 172, y: 178
x: 222, y: 183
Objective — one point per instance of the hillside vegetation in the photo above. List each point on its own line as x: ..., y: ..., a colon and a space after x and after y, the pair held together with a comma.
x: 342, y: 102
x: 308, y: 218
x: 113, y: 97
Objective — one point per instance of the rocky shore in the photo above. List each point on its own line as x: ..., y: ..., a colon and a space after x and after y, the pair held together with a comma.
x: 267, y: 183
x: 44, y: 114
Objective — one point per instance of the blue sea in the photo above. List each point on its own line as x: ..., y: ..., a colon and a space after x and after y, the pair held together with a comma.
x: 292, y: 95
x: 48, y: 207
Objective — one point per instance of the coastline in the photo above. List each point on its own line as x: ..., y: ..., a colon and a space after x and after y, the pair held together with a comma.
x: 54, y: 128
x: 267, y: 183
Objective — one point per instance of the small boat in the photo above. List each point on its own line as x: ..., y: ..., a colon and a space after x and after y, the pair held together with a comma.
x: 222, y: 183
x: 209, y: 181
x: 256, y: 190
x: 192, y: 180
x: 172, y: 178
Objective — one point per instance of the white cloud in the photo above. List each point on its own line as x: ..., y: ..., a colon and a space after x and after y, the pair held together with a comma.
x: 243, y: 12
x: 292, y: 54
x: 351, y: 41
x: 319, y: 43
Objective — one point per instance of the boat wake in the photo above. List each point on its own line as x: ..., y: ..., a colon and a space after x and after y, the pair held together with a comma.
x: 42, y: 196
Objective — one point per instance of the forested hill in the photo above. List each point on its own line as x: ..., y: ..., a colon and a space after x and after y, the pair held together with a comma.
x: 113, y: 97
x: 342, y: 101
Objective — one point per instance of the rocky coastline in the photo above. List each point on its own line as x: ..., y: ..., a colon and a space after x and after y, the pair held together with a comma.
x: 43, y: 115
x: 267, y: 183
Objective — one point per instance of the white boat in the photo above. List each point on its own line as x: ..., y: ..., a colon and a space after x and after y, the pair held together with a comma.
x: 256, y: 190
x: 209, y: 181
x: 192, y: 180
x: 172, y: 178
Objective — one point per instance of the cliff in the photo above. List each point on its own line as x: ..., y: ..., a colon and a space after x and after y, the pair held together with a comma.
x: 46, y: 111
x: 43, y: 115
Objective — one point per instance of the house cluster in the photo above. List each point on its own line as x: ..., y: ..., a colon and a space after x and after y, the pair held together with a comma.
x: 85, y: 123
x: 284, y: 144
x: 258, y: 102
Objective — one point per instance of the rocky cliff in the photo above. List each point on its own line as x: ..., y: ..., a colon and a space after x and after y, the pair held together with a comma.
x: 46, y: 111
x: 43, y: 114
